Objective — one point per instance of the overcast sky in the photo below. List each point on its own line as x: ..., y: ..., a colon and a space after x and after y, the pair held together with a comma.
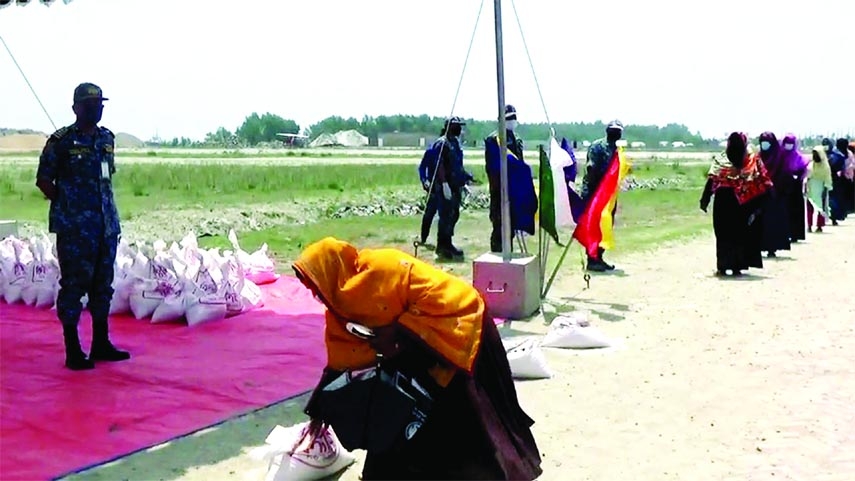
x: 186, y: 67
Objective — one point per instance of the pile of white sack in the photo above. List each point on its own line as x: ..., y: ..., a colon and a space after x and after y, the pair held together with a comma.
x: 526, y: 357
x: 181, y: 282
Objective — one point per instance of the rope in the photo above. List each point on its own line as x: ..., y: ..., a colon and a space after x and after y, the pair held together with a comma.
x: 531, y: 65
x: 28, y: 83
x: 454, y: 103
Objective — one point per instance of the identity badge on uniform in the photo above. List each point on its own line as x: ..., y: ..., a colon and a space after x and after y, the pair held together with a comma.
x: 105, y: 169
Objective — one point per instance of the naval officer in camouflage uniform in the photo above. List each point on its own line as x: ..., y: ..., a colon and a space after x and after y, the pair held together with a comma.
x: 75, y: 173
x: 599, y: 158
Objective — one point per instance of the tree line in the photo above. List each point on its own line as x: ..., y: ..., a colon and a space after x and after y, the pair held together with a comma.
x: 260, y: 129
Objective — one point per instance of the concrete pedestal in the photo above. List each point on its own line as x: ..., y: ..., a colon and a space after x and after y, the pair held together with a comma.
x: 510, y: 289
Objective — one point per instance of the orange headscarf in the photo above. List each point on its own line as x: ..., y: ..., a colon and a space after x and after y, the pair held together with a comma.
x: 379, y: 287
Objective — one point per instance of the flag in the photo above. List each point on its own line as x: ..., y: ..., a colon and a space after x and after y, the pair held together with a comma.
x: 594, y: 229
x: 554, y: 199
x: 522, y: 198
x: 577, y: 205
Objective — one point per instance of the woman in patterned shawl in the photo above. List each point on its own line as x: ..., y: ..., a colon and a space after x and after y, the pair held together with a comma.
x: 739, y: 182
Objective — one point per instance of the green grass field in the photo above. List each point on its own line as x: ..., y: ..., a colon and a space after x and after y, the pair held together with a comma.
x: 288, y: 207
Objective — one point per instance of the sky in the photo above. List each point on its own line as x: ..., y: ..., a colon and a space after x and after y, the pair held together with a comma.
x: 177, y: 68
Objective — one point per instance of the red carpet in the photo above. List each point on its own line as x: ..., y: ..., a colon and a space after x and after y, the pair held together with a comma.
x: 180, y: 379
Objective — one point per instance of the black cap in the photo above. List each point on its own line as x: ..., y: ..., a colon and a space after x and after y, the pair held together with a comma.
x: 510, y: 112
x: 88, y: 90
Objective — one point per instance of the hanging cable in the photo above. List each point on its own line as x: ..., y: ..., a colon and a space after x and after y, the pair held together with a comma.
x: 531, y: 65
x: 28, y: 83
x: 466, y: 60
x: 454, y: 103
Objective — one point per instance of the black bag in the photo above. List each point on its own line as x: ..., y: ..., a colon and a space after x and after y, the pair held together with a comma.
x: 374, y: 409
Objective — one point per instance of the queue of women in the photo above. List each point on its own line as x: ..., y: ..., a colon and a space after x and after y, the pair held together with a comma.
x: 387, y: 309
x: 766, y: 201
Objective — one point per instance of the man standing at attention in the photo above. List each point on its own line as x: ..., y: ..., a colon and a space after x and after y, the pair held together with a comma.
x: 451, y: 178
x: 75, y: 173
x: 599, y: 157
x: 493, y: 156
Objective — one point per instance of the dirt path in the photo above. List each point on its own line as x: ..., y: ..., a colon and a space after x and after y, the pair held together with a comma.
x: 717, y: 379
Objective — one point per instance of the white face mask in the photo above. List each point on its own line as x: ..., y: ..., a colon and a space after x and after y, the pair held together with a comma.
x: 511, y: 124
x: 765, y: 145
x: 789, y: 146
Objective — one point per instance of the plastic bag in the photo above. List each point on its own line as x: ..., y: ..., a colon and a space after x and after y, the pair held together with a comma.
x: 313, y: 459
x: 527, y: 360
x: 15, y: 268
x: 574, y: 332
x: 173, y: 306
x: 258, y: 266
x: 43, y: 275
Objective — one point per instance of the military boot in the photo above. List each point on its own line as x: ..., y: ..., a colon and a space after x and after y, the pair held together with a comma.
x: 596, y: 265
x: 445, y: 251
x: 75, y: 358
x: 609, y: 267
x: 102, y: 348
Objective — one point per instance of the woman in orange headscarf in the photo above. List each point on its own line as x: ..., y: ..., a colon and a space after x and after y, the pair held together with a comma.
x: 434, y: 322
x: 739, y: 183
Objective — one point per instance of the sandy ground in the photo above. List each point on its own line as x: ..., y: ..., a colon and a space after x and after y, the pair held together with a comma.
x: 716, y: 379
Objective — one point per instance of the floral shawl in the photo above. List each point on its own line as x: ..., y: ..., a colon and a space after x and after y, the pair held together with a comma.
x: 749, y: 182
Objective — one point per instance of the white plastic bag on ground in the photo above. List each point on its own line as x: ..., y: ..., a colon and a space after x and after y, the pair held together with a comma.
x: 233, y: 282
x: 144, y: 298
x: 15, y: 265
x: 251, y: 296
x: 43, y: 275
x: 313, y: 459
x: 574, y: 332
x: 205, y: 298
x: 527, y: 360
x: 258, y: 266
x: 173, y: 306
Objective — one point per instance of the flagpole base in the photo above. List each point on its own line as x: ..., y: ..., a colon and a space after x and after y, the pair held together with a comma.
x: 510, y: 288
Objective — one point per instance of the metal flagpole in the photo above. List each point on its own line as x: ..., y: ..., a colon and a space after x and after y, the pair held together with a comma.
x: 503, y: 144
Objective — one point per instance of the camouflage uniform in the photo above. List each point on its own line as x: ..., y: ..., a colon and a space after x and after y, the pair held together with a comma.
x: 599, y: 155
x: 84, y: 218
x: 599, y: 158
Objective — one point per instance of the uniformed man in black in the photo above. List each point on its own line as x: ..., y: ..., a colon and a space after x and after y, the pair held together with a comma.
x: 451, y: 178
x: 75, y: 173
x: 492, y: 157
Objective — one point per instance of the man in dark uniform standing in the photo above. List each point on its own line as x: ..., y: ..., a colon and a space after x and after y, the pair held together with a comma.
x: 75, y: 173
x: 491, y: 146
x: 451, y: 178
x: 599, y: 158
x: 427, y: 170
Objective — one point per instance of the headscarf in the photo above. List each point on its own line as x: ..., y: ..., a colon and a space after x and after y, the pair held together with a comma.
x: 382, y: 287
x: 741, y: 170
x: 820, y: 170
x: 772, y: 157
x: 792, y: 161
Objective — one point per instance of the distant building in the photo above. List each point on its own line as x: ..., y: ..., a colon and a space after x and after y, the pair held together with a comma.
x: 343, y: 138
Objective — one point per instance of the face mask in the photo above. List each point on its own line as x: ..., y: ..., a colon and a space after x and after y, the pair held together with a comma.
x: 91, y: 114
x: 789, y: 146
x: 511, y: 124
x: 765, y: 145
